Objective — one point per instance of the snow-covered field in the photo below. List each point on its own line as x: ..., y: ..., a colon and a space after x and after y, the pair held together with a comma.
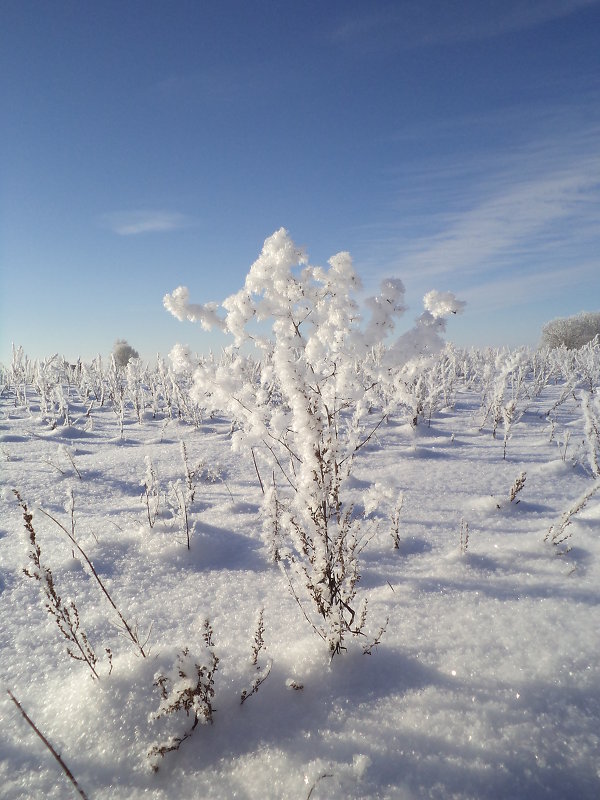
x: 486, y: 681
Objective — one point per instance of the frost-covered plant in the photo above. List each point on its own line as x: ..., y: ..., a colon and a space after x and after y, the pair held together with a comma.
x: 395, y: 520
x: 116, y: 392
x: 189, y: 473
x: 510, y: 372
x: 272, y: 521
x: 306, y: 410
x: 382, y: 506
x: 579, y: 369
x: 46, y: 378
x: 509, y: 412
x: 64, y: 454
x: 161, y: 388
x: 61, y: 401
x: 541, y: 372
x: 411, y: 389
x: 587, y: 365
x: 180, y: 376
x: 19, y: 375
x: 188, y: 688
x: 591, y: 416
x: 151, y: 493
x: 181, y: 493
x: 425, y: 384
x: 261, y: 671
x: 135, y: 375
x: 376, y: 641
x: 441, y: 379
x: 69, y: 456
x: 517, y: 487
x: 558, y: 534
x: 563, y: 445
x: 92, y: 378
x: 178, y: 501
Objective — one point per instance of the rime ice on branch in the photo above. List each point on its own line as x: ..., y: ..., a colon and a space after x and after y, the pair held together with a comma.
x: 305, y: 410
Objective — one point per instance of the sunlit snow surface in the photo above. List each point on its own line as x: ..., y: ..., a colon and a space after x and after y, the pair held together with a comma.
x: 486, y: 683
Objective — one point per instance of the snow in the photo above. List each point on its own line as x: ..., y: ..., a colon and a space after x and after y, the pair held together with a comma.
x: 486, y: 682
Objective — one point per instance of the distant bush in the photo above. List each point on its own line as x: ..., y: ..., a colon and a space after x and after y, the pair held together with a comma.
x: 123, y: 353
x: 572, y: 332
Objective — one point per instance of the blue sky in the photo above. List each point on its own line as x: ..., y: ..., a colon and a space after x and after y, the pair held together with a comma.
x: 145, y: 145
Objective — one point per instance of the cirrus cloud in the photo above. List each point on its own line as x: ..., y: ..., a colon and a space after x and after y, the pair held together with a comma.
x: 140, y: 221
x: 405, y: 26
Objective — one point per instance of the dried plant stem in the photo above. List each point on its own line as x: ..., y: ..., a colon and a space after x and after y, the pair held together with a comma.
x: 262, y: 672
x: 297, y: 599
x: 464, y: 536
x: 256, y: 684
x: 517, y: 487
x: 65, y: 616
x: 368, y: 649
x: 52, y: 464
x: 262, y: 488
x: 72, y: 460
x: 130, y: 632
x: 320, y: 778
x: 41, y: 736
x: 395, y: 534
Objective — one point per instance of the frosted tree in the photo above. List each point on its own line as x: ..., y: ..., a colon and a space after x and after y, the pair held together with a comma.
x: 306, y: 410
x: 123, y: 352
x: 571, y: 332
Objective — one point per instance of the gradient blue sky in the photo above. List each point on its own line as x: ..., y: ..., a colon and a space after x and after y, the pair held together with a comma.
x: 145, y: 145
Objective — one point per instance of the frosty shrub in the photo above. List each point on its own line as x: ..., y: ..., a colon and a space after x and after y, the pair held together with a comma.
x: 571, y: 332
x: 123, y: 353
x: 188, y: 688
x: 306, y: 411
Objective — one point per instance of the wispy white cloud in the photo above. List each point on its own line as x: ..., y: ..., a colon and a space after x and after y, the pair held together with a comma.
x: 509, y: 225
x: 431, y: 22
x: 522, y: 215
x: 136, y: 222
x: 469, y: 216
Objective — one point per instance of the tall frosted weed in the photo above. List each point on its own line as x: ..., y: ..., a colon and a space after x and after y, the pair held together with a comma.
x: 304, y: 408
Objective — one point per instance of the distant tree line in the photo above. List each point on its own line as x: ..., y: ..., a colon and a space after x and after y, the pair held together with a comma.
x: 572, y: 332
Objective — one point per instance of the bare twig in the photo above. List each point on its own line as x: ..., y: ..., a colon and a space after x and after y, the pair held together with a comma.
x: 41, y: 736
x: 262, y: 488
x: 556, y: 535
x: 256, y: 683
x: 130, y: 632
x: 517, y: 487
x: 320, y: 778
x: 65, y: 616
x: 365, y: 440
